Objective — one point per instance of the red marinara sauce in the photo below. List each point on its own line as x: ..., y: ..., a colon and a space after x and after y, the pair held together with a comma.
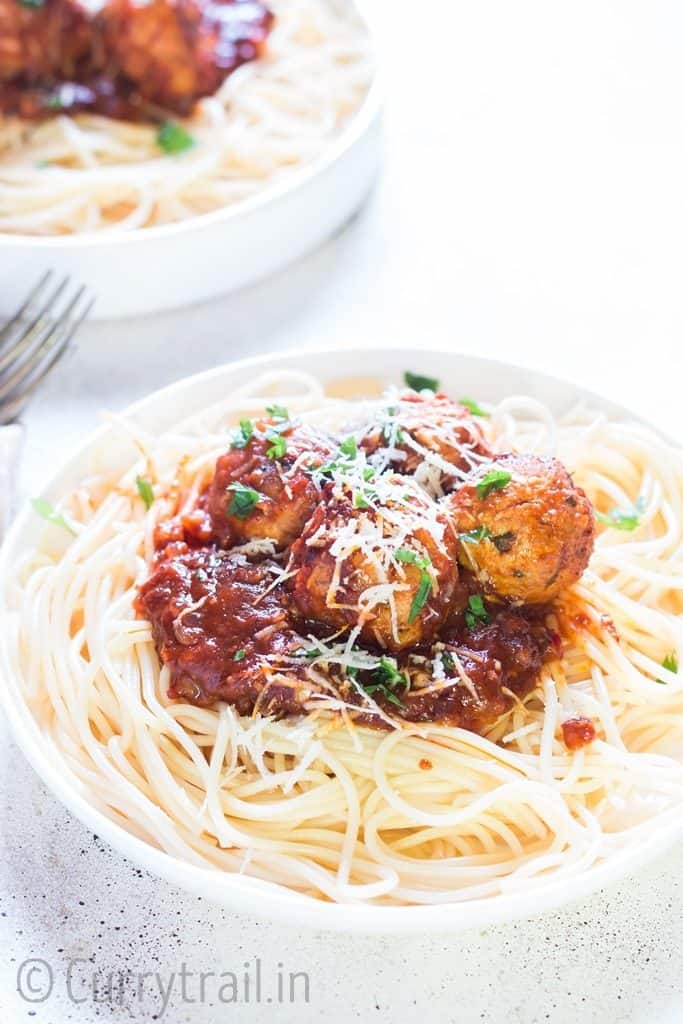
x: 578, y: 733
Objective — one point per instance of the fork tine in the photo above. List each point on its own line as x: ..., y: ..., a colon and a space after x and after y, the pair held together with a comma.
x: 8, y: 328
x: 22, y: 347
x: 31, y: 372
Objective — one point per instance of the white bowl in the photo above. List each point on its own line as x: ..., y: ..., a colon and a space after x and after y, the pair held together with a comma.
x: 175, y: 265
x: 459, y: 374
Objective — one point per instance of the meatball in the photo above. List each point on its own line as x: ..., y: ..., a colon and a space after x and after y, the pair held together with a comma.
x: 130, y: 58
x: 45, y: 42
x: 428, y: 436
x: 176, y: 51
x: 526, y: 530
x: 263, y: 487
x: 384, y: 563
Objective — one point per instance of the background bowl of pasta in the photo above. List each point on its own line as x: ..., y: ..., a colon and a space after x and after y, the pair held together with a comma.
x: 156, y: 209
x: 342, y: 829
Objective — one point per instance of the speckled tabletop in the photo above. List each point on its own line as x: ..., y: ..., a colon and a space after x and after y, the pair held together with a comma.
x: 531, y: 210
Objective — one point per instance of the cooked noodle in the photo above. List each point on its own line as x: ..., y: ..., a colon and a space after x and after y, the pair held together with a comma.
x: 420, y: 815
x: 271, y: 118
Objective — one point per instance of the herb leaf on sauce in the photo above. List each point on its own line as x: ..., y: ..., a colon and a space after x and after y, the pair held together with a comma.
x: 145, y: 490
x: 386, y: 677
x: 46, y: 511
x: 494, y: 480
x: 279, y: 446
x: 476, y: 614
x: 239, y: 655
x: 474, y: 407
x: 425, y: 585
x: 418, y: 382
x: 243, y: 501
x: 278, y: 412
x: 244, y: 435
x: 173, y: 138
x: 476, y: 535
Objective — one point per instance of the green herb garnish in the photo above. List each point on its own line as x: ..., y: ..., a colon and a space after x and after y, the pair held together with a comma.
x: 474, y: 407
x: 173, y: 138
x: 386, y: 679
x: 493, y: 481
x: 419, y: 383
x: 670, y: 663
x: 239, y: 655
x: 32, y: 4
x: 360, y: 501
x: 243, y: 435
x: 278, y: 412
x: 448, y: 661
x: 145, y: 490
x: 426, y: 583
x: 278, y: 447
x: 349, y: 448
x: 476, y: 535
x: 476, y: 614
x: 47, y: 511
x: 243, y: 500
x: 623, y: 518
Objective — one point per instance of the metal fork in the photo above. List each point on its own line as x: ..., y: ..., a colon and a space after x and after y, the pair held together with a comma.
x: 36, y: 338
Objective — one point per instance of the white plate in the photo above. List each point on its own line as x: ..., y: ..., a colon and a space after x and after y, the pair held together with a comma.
x: 460, y: 375
x: 175, y: 265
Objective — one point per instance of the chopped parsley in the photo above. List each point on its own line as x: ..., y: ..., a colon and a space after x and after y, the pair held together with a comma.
x: 173, y: 138
x: 494, y: 480
x: 359, y: 501
x: 419, y: 383
x: 244, y: 435
x: 145, y: 490
x: 425, y: 585
x: 278, y: 412
x: 310, y: 653
x: 278, y: 447
x: 239, y: 655
x: 476, y: 535
x: 47, y: 511
x: 349, y: 448
x: 473, y: 407
x: 623, y: 518
x: 448, y: 661
x: 476, y: 614
x: 243, y: 501
x: 386, y: 678
x: 670, y: 663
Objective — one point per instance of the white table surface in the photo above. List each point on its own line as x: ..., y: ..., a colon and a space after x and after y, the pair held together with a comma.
x: 530, y: 209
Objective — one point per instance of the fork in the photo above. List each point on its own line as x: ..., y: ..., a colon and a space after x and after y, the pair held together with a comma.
x: 35, y: 339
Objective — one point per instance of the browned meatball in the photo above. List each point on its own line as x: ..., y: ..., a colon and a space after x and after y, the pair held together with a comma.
x: 526, y: 529
x: 130, y: 58
x: 175, y: 51
x: 383, y: 562
x: 429, y: 436
x: 43, y: 42
x: 264, y: 489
